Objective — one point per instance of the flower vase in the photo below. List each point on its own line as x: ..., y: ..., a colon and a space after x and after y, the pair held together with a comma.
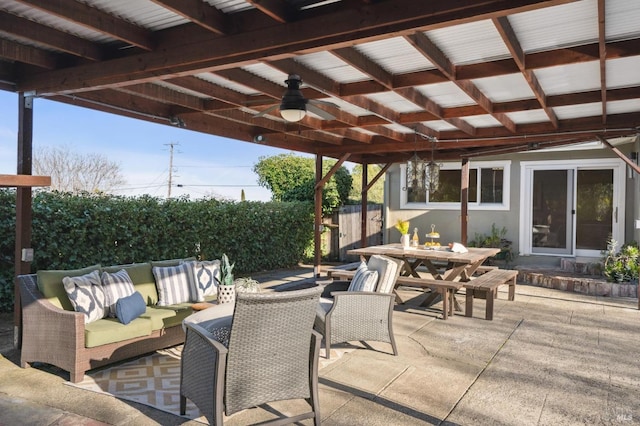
x: 226, y: 294
x: 405, y: 240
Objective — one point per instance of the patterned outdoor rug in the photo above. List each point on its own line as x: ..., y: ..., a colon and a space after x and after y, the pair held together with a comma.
x: 154, y: 380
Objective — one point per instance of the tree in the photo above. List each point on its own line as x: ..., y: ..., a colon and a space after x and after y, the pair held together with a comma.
x: 292, y: 178
x: 376, y: 192
x: 74, y: 172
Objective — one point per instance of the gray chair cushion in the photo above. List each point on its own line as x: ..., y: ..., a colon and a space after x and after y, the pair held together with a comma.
x: 388, y: 270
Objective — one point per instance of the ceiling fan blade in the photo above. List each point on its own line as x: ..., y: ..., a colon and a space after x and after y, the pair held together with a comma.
x: 320, y: 112
x: 327, y: 103
x: 266, y: 111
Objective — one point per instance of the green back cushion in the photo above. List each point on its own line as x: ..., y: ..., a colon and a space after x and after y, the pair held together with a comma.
x: 171, y: 262
x: 50, y: 284
x: 142, y: 278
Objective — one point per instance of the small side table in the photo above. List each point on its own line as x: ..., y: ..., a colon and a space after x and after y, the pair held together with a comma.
x: 201, y: 306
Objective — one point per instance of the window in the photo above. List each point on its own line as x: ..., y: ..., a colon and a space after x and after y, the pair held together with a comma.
x: 488, y: 187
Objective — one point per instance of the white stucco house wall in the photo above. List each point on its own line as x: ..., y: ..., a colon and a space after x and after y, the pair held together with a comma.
x: 558, y: 202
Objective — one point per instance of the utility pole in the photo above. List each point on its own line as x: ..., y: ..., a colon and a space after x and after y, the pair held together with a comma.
x: 171, y: 145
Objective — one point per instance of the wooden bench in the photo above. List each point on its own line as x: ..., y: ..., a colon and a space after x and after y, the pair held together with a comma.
x: 446, y: 289
x: 347, y: 267
x: 487, y: 285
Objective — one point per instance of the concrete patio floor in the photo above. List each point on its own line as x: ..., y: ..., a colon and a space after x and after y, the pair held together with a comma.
x: 548, y: 358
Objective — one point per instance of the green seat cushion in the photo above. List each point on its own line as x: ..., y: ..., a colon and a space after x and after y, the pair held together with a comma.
x: 159, y: 317
x: 181, y: 311
x: 110, y: 330
x: 142, y: 278
x: 50, y: 284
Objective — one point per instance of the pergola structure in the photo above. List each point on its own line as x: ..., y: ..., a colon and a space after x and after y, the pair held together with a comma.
x: 459, y: 78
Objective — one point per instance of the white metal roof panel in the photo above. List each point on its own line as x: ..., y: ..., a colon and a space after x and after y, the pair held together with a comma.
x: 559, y: 26
x: 576, y: 111
x: 145, y: 14
x: 394, y: 101
x: 622, y: 19
x: 399, y: 128
x: 505, y: 88
x: 623, y: 107
x: 349, y: 108
x: 180, y: 89
x: 439, y: 125
x: 230, y: 6
x: 447, y: 95
x: 470, y: 43
x: 530, y: 116
x: 333, y: 67
x: 484, y: 120
x: 571, y: 78
x: 228, y: 84
x: 268, y: 73
x: 396, y: 55
x: 623, y: 72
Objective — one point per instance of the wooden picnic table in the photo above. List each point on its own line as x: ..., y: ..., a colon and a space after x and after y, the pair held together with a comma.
x: 442, y: 263
x: 457, y: 266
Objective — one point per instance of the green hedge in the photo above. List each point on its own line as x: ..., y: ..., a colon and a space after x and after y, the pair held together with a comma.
x: 71, y: 231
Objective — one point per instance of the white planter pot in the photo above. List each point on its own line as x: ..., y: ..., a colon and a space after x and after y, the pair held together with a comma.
x: 226, y: 294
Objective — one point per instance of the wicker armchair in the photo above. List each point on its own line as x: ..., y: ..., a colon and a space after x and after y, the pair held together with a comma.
x: 345, y: 316
x: 272, y: 355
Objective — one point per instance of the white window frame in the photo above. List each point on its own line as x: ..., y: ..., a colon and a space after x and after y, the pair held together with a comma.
x: 506, y: 188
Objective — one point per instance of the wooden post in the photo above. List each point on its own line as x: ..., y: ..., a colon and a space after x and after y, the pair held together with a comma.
x: 464, y: 202
x: 364, y: 211
x: 317, y: 219
x: 23, y: 205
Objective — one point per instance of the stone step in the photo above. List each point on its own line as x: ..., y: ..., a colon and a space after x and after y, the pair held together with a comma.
x: 587, y: 266
x: 561, y: 280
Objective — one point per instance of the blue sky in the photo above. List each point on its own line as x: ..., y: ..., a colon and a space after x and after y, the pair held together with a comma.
x: 203, y: 164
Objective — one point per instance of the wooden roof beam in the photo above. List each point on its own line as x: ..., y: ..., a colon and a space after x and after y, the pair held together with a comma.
x: 94, y: 19
x: 29, y: 55
x: 275, y: 9
x: 602, y: 50
x: 21, y: 181
x: 50, y: 37
x: 513, y: 44
x: 198, y: 12
x: 309, y: 35
x: 432, y: 52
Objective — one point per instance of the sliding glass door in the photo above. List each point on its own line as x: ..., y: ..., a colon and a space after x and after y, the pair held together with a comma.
x: 571, y: 208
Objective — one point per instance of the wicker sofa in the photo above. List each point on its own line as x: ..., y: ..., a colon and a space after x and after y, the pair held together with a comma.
x: 53, y: 333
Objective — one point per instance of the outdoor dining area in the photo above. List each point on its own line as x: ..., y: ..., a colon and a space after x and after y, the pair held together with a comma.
x: 540, y: 361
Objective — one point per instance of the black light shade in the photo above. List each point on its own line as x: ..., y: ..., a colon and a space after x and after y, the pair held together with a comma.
x: 294, y: 105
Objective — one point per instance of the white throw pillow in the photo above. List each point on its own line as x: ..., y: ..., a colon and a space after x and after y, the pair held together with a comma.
x: 86, y: 295
x: 207, y: 278
x: 364, y: 279
x: 116, y: 285
x: 176, y: 284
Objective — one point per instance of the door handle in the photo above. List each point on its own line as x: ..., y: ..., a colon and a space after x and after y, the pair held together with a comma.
x: 615, y: 214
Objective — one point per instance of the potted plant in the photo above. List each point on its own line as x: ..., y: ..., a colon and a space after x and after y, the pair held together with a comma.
x: 246, y: 285
x: 496, y: 240
x: 403, y: 227
x: 226, y: 289
x: 621, y: 266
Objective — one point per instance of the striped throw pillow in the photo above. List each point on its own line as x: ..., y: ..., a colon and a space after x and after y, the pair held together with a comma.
x: 116, y: 285
x: 364, y: 279
x: 176, y: 284
x: 86, y: 295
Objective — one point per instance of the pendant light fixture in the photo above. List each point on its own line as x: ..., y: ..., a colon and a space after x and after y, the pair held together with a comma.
x: 416, y: 171
x: 432, y: 180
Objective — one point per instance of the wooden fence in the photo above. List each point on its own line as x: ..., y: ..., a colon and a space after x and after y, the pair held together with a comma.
x: 344, y: 225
